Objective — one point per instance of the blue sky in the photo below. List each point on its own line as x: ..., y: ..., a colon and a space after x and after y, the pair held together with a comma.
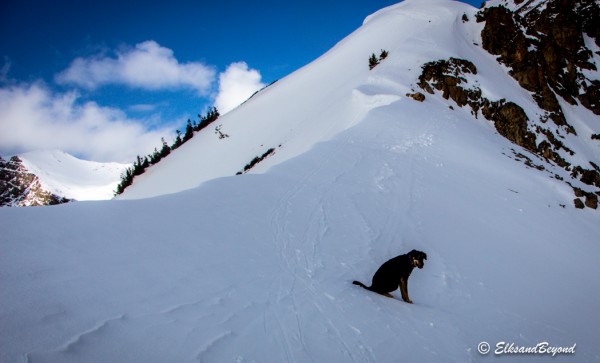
x: 105, y: 80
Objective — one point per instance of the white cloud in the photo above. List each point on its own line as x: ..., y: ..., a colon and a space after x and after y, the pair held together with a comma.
x: 33, y: 118
x: 147, y: 66
x: 236, y: 85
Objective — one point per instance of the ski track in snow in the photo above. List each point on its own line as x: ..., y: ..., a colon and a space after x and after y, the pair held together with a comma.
x: 299, y: 259
x: 322, y: 229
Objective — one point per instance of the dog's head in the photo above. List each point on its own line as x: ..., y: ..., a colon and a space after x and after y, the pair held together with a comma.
x: 417, y: 257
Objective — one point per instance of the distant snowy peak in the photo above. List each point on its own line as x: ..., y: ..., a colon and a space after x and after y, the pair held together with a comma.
x: 54, y: 177
x: 21, y: 188
x: 65, y: 175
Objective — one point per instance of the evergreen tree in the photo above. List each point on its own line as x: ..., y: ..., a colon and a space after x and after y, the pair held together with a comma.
x: 137, y: 166
x: 126, y: 180
x: 178, y: 141
x: 189, y: 131
x: 373, y: 61
x: 383, y: 55
x: 155, y: 157
x: 211, y: 116
x: 166, y: 150
x: 145, y: 163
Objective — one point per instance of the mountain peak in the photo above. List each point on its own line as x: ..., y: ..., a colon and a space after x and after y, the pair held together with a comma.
x: 313, y: 104
x: 54, y: 177
x: 323, y: 99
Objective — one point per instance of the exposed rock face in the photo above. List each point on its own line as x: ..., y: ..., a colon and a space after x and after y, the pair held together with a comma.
x: 588, y: 176
x: 591, y: 199
x: 19, y: 187
x: 417, y: 96
x: 544, y: 46
x: 450, y: 77
x: 511, y: 122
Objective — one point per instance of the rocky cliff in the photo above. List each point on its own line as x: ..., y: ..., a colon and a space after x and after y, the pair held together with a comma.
x: 19, y: 187
x: 551, y: 48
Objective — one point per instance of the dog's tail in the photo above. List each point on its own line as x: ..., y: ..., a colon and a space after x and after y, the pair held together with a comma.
x: 361, y: 285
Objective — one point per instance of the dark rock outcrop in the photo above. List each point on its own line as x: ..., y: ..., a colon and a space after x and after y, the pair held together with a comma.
x: 510, y: 120
x: 544, y: 46
x: 448, y: 76
x: 417, y: 96
x: 591, y: 199
x: 19, y: 187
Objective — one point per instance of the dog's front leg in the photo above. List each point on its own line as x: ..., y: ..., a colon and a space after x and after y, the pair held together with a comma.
x: 404, y: 290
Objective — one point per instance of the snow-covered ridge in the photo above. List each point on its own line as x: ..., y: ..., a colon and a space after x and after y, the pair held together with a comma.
x: 337, y: 91
x: 317, y: 102
x: 65, y: 175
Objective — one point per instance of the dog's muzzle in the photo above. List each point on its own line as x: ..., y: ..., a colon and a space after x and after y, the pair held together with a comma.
x: 417, y: 263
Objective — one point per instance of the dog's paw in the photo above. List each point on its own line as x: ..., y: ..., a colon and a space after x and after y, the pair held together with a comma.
x: 408, y: 301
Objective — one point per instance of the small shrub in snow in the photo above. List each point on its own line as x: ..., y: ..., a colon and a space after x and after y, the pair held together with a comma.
x: 256, y: 160
x: 373, y: 61
x: 220, y: 133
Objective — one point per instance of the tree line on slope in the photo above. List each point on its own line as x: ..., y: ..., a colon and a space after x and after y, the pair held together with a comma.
x: 142, y: 163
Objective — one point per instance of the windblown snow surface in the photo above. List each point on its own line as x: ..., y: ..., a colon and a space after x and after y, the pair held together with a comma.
x: 258, y: 267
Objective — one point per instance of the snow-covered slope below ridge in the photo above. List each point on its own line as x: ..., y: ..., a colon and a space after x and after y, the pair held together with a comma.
x: 318, y: 101
x: 259, y: 267
x: 64, y: 175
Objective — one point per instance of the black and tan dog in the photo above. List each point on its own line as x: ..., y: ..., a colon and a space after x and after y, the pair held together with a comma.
x: 394, y: 273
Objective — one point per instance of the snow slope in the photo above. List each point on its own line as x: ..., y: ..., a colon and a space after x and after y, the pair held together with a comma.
x: 311, y: 105
x: 337, y: 90
x: 258, y: 267
x: 67, y: 176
